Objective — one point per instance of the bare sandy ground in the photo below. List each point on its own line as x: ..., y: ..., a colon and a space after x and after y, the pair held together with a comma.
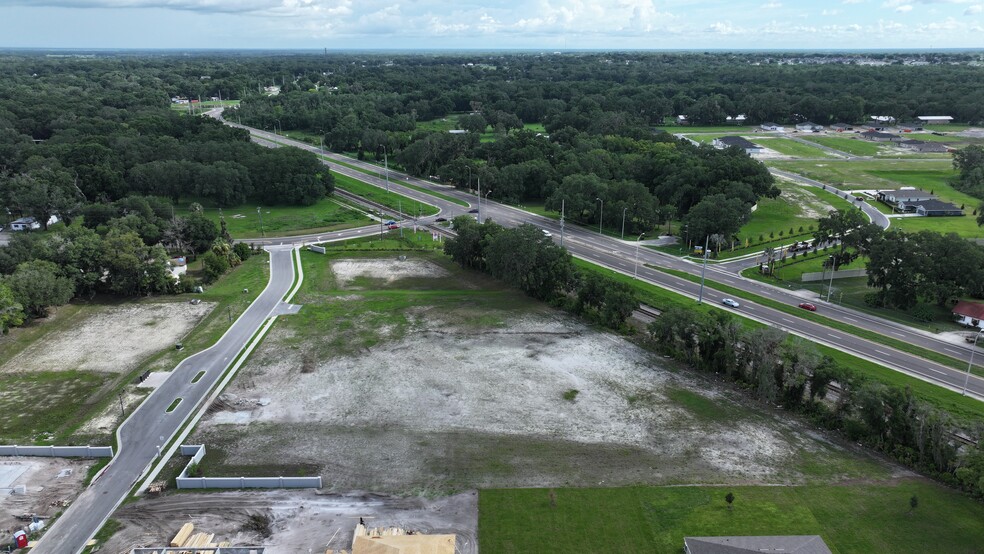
x: 454, y: 406
x: 301, y: 521
x: 390, y: 270
x: 49, y: 483
x: 114, y: 340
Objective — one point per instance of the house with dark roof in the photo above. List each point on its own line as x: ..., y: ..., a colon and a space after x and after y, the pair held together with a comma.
x: 809, y: 126
x: 970, y: 314
x: 903, y: 195
x: 931, y: 208
x: 878, y: 136
x: 790, y: 544
x: 910, y: 126
x: 841, y: 127
x: 770, y: 126
x: 726, y: 142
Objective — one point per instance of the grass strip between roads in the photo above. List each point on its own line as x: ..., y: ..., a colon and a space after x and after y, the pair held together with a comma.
x: 826, y: 321
x: 391, y: 200
x: 412, y: 186
x: 963, y: 408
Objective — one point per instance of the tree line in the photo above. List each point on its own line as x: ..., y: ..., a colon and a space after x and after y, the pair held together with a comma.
x: 778, y: 369
x: 527, y: 259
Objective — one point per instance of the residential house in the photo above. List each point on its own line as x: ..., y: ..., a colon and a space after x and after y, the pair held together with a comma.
x: 682, y: 120
x: 884, y: 119
x: 932, y: 208
x: 841, y: 127
x: 809, y: 126
x: 30, y: 224
x: 878, y: 136
x: 910, y: 127
x: 770, y: 126
x: 924, y: 146
x: 790, y: 544
x: 935, y: 119
x: 457, y: 131
x: 875, y: 126
x: 748, y: 146
x: 737, y: 120
x: 24, y: 224
x: 904, y: 198
x: 970, y: 314
x: 177, y: 267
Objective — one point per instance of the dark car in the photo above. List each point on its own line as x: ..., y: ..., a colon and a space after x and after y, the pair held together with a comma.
x: 473, y: 211
x: 807, y: 306
x: 441, y: 219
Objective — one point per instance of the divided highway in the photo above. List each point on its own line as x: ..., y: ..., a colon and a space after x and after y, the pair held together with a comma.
x: 621, y: 256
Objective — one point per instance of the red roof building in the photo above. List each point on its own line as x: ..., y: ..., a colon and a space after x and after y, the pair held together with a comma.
x: 970, y: 314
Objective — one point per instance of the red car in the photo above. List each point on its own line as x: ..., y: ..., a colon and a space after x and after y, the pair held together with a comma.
x: 808, y: 306
x: 394, y: 226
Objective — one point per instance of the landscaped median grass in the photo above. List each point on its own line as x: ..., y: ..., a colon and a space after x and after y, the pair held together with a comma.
x: 402, y: 183
x: 328, y: 214
x: 861, y: 518
x: 391, y: 200
x: 961, y: 407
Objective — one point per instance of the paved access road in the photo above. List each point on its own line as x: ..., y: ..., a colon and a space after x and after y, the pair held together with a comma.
x: 150, y: 426
x: 622, y: 256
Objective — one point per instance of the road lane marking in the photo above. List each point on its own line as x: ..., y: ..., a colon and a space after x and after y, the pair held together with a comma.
x: 835, y: 337
x: 882, y: 353
x: 952, y: 350
x: 850, y: 319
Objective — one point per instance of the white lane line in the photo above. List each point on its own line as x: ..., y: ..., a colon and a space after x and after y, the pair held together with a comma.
x: 882, y: 353
x: 850, y: 319
x: 835, y: 337
x: 952, y: 350
x: 898, y: 334
x: 787, y: 320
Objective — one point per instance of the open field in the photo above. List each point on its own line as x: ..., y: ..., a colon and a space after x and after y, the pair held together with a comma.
x: 788, y: 147
x: 328, y: 214
x: 854, y: 175
x: 726, y: 129
x: 851, y: 518
x: 62, y: 377
x: 847, y: 144
x: 403, y: 376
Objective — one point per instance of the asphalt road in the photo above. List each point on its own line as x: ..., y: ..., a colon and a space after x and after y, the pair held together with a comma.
x: 151, y: 427
x: 621, y: 256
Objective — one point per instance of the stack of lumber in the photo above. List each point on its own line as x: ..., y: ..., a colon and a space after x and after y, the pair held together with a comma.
x: 183, y: 534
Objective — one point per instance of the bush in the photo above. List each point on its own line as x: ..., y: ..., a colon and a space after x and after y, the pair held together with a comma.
x: 873, y: 299
x: 761, y: 238
x: 922, y: 312
x: 214, y: 266
x: 242, y: 250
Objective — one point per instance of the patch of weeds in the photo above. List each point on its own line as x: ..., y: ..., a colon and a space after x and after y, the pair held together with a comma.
x: 701, y: 407
x: 259, y: 524
x: 571, y: 394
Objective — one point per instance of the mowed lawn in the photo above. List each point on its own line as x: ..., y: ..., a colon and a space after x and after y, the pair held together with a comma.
x: 325, y: 215
x: 390, y: 199
x: 854, y: 146
x: 851, y: 519
x: 790, y: 147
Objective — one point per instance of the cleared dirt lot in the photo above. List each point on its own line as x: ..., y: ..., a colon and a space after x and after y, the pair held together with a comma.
x: 111, y: 340
x: 300, y: 521
x: 468, y: 390
x: 47, y: 482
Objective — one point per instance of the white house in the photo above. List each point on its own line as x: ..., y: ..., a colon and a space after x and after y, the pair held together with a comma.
x: 29, y: 223
x: 970, y: 314
x: 748, y: 146
x: 809, y: 126
x: 770, y: 126
x: 177, y: 267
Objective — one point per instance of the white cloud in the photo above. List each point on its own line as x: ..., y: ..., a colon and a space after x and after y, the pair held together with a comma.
x: 974, y: 10
x: 723, y: 28
x: 904, y: 8
x: 851, y: 1
x: 830, y: 12
x: 771, y: 5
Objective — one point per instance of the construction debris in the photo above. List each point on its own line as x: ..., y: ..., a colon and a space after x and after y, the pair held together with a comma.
x: 183, y: 534
x: 395, y: 540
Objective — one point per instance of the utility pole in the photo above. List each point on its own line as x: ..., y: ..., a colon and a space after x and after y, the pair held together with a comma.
x: 399, y: 204
x: 562, y: 200
x: 700, y: 295
x: 479, y: 194
x: 623, y: 223
x: 386, y: 165
x: 601, y: 214
x: 635, y: 272
x: 260, y: 214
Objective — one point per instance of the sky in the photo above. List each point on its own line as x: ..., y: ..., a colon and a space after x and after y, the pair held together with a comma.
x: 493, y: 24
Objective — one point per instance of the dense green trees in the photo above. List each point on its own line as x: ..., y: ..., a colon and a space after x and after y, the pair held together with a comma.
x: 970, y: 163
x: 777, y: 368
x: 37, y: 284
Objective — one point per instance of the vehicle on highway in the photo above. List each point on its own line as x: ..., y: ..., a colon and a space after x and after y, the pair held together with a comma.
x: 730, y: 302
x: 390, y: 222
x: 546, y: 233
x: 392, y: 226
x: 807, y: 306
x: 440, y: 220
x: 473, y: 211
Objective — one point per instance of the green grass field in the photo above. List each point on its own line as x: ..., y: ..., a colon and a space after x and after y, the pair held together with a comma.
x: 861, y: 518
x: 854, y: 146
x: 726, y: 129
x: 328, y: 214
x: 863, y: 174
x: 790, y: 147
x: 392, y: 200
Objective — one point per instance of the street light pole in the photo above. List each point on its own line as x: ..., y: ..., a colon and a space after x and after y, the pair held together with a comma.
x: 623, y: 223
x: 487, y: 202
x: 601, y: 214
x: 562, y: 202
x: 830, y: 286
x: 399, y: 204
x: 479, y: 194
x: 386, y: 166
x: 262, y: 234
x: 971, y: 363
x: 700, y: 295
x: 635, y: 272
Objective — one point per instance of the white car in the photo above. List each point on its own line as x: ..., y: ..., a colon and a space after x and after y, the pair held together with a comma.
x: 546, y: 233
x: 730, y: 302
